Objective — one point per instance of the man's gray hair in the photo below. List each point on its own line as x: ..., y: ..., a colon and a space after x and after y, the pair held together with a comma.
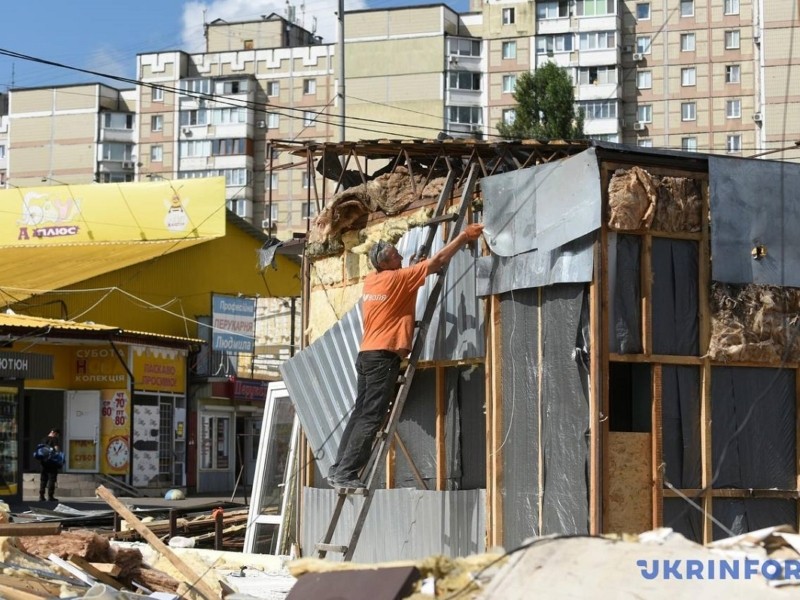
x: 379, y: 253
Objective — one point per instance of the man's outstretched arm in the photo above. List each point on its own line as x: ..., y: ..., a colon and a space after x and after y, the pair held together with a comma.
x: 471, y: 233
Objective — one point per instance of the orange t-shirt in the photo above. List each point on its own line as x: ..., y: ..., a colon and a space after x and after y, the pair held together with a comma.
x: 389, y: 303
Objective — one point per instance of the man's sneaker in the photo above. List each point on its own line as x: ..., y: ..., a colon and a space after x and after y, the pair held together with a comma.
x: 53, y: 499
x: 349, y: 484
x: 41, y: 498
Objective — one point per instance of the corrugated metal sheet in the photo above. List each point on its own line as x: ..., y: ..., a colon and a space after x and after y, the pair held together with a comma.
x: 402, y: 524
x: 322, y: 380
x: 25, y: 321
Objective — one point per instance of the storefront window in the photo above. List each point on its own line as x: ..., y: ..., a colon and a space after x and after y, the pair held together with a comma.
x: 214, y: 442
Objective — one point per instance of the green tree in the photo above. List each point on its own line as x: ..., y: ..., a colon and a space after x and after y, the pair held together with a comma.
x: 545, y: 107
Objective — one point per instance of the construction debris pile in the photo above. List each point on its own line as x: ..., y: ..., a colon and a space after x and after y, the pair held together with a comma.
x: 390, y: 193
x: 757, y: 323
x: 639, y: 200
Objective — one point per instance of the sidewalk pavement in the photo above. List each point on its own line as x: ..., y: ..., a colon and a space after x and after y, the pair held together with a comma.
x: 198, y: 501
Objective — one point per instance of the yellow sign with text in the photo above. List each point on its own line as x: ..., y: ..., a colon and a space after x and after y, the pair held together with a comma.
x: 115, y: 418
x: 97, y: 367
x: 159, y: 370
x: 113, y: 212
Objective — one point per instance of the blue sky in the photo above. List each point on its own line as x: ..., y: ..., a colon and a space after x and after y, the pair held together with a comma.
x: 105, y: 36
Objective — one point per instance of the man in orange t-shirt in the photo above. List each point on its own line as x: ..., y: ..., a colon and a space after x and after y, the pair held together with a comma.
x: 389, y: 302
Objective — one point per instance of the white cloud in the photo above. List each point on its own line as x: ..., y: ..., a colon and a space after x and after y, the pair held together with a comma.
x: 324, y: 11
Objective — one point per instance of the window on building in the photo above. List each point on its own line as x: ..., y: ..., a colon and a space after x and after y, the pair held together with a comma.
x: 309, y: 86
x: 688, y: 111
x: 687, y: 8
x: 158, y: 94
x: 509, y: 114
x: 309, y: 210
x: 731, y: 7
x: 215, y: 442
x: 509, y: 83
x: 644, y: 113
x: 273, y: 88
x: 156, y: 153
x: 194, y: 117
x: 118, y: 121
x: 116, y: 151
x: 463, y: 47
x: 597, y: 75
x: 593, y: 8
x: 734, y: 143
x: 226, y: 116
x: 643, y: 11
x: 195, y: 86
x: 508, y: 16
x: 644, y: 80
x: 273, y: 120
x: 643, y: 44
x: 231, y: 87
x: 733, y: 74
x: 273, y: 181
x: 597, y: 40
x: 689, y: 144
x: 732, y: 39
x: 464, y: 115
x: 687, y: 42
x: 309, y: 117
x: 599, y: 109
x: 509, y: 50
x: 248, y: 44
x: 157, y: 123
x: 228, y: 147
x: 644, y: 143
x: 554, y: 43
x: 688, y: 76
x: 552, y: 10
x: 464, y: 80
x: 2, y: 151
x: 733, y: 108
x: 308, y: 180
x: 195, y: 148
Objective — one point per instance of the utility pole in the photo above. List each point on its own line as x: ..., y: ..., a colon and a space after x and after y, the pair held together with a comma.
x: 340, y: 51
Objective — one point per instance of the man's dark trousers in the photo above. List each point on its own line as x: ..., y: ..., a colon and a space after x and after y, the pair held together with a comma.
x: 377, y: 376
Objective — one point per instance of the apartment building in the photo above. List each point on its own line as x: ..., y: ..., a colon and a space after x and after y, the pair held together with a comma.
x: 704, y: 75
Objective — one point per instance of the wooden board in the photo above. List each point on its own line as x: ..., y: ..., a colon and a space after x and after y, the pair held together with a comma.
x: 629, y: 482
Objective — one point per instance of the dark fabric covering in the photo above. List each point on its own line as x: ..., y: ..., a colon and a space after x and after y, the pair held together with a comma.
x: 680, y: 414
x: 741, y: 515
x: 519, y: 487
x: 675, y: 297
x: 753, y: 428
x: 684, y: 518
x: 626, y: 329
x: 754, y: 202
x: 565, y: 418
x: 417, y: 429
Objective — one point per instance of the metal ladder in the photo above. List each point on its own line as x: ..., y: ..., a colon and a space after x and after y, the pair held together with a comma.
x: 386, y: 434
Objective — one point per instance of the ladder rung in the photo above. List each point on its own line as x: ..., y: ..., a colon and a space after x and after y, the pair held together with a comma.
x: 331, y: 548
x: 441, y: 219
x: 401, y: 379
x: 351, y: 491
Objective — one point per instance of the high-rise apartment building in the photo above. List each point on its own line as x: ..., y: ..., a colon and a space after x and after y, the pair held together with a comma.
x: 700, y: 75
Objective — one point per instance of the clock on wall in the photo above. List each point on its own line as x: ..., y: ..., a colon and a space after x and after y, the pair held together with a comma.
x: 117, y: 452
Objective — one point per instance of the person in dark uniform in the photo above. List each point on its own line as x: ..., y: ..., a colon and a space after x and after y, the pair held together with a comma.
x: 50, y: 468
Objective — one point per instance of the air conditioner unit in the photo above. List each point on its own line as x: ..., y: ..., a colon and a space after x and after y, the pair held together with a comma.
x: 261, y: 124
x: 187, y: 131
x: 758, y: 117
x: 127, y: 164
x: 265, y: 224
x: 638, y: 126
x: 637, y: 56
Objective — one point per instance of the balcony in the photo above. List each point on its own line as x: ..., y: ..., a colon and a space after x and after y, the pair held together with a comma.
x: 550, y: 26
x: 110, y: 134
x: 595, y: 58
x: 597, y: 91
x: 608, y: 126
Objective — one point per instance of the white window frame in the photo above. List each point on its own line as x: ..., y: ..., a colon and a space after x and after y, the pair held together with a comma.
x: 644, y: 142
x: 644, y: 113
x: 688, y: 42
x: 687, y: 8
x: 273, y: 181
x: 158, y: 94
x: 688, y: 111
x: 731, y: 7
x: 688, y: 77
x: 308, y: 210
x: 508, y: 16
x: 509, y: 50
x: 309, y: 118
x: 689, y: 144
x: 306, y: 180
x: 273, y: 88
x: 644, y: 80
x: 645, y: 5
x: 509, y: 83
x: 309, y: 86
x: 733, y: 143
x: 733, y: 108
x: 733, y: 73
x: 733, y: 39
x: 273, y: 120
x: 644, y: 44
x: 509, y: 115
x: 156, y: 153
x: 156, y: 122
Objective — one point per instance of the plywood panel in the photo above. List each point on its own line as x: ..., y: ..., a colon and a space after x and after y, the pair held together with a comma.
x: 629, y: 508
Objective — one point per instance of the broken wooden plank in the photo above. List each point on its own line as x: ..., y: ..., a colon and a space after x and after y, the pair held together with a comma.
x: 107, y: 568
x: 192, y: 579
x: 87, y: 567
x: 20, y: 529
x: 44, y: 589
x: 9, y: 593
x: 71, y: 569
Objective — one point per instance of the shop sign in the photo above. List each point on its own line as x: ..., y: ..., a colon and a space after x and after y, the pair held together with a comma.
x: 233, y: 321
x: 82, y: 455
x: 250, y: 389
x: 97, y: 368
x: 115, y: 416
x: 159, y: 370
x: 24, y: 365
